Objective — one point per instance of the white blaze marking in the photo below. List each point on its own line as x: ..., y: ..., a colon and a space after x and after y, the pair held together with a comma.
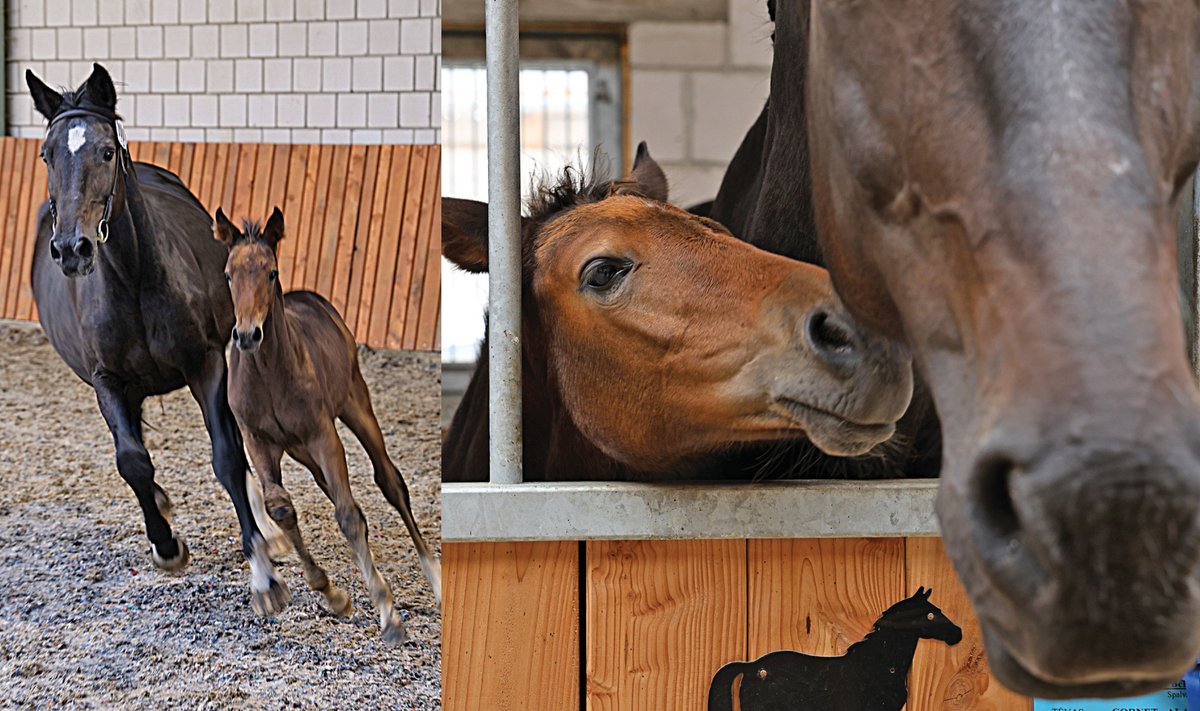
x: 76, y: 137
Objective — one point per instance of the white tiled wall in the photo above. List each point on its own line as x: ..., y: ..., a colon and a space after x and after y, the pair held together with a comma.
x: 696, y: 88
x: 289, y: 71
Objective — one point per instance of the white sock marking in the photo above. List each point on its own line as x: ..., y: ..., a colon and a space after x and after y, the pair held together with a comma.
x: 76, y: 137
x: 261, y: 569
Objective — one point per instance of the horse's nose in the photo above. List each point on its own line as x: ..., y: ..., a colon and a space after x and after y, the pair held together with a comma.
x: 247, y: 339
x: 1095, y: 539
x: 831, y: 337
x: 74, y: 256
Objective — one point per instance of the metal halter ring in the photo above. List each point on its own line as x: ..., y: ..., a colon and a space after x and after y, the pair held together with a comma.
x: 102, y: 232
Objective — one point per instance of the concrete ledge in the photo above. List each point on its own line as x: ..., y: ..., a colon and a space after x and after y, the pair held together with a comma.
x: 618, y: 510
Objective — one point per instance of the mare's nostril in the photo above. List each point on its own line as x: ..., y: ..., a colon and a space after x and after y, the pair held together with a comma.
x: 257, y: 335
x: 993, y: 495
x: 84, y: 250
x: 55, y: 253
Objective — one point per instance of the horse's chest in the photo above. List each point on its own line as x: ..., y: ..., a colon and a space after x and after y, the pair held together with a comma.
x: 284, y: 413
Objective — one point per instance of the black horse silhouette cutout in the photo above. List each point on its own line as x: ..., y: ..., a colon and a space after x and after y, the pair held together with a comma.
x: 871, y: 676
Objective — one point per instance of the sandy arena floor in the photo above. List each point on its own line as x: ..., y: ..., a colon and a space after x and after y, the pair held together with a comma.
x: 87, y: 621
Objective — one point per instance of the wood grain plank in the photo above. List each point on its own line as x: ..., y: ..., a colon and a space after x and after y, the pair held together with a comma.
x: 662, y: 617
x: 347, y: 231
x: 175, y: 159
x: 370, y: 248
x: 307, y: 213
x: 819, y: 596
x: 9, y: 149
x: 429, y: 274
x: 292, y: 212
x: 510, y: 626
x: 335, y: 204
x: 162, y: 154
x: 362, y: 232
x: 404, y: 326
x: 19, y: 219
x: 389, y: 243
x: 397, y: 309
x: 257, y: 192
x: 31, y: 201
x: 247, y: 175
x: 955, y: 677
x: 316, y: 237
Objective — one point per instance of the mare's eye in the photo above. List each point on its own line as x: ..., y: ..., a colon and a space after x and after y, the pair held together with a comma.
x: 603, y: 273
x: 108, y: 154
x: 273, y: 276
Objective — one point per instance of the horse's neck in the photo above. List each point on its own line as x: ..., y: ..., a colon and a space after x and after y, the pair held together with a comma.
x: 282, y: 351
x: 886, y: 650
x: 131, y: 255
x: 554, y: 449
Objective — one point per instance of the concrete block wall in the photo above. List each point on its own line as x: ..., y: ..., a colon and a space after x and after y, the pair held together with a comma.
x: 696, y: 88
x: 275, y: 71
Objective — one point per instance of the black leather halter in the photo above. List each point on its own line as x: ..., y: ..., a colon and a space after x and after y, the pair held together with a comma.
x: 124, y: 163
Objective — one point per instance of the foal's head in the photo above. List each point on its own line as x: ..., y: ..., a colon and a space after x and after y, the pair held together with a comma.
x: 921, y: 617
x: 666, y: 337
x: 84, y: 160
x: 253, y: 274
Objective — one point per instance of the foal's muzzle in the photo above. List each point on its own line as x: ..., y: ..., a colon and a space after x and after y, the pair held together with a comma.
x: 247, y: 340
x: 76, y: 257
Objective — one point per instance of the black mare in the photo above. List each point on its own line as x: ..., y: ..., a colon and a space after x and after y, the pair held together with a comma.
x: 129, y: 288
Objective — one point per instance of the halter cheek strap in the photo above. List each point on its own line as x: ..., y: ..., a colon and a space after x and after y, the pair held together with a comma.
x: 124, y: 163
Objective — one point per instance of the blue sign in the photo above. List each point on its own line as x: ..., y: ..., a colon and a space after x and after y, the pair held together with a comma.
x: 1172, y: 699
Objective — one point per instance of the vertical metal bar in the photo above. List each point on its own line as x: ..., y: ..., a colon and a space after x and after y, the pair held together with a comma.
x: 3, y: 69
x: 1192, y: 304
x: 504, y: 242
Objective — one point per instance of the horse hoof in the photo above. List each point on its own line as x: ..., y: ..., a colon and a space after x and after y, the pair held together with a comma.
x: 171, y: 564
x: 339, y: 602
x: 271, y: 601
x: 395, y: 632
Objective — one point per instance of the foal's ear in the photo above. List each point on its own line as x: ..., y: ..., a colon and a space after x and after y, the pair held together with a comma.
x: 273, y: 232
x: 465, y: 234
x: 100, y: 88
x: 45, y: 99
x: 224, y: 230
x: 646, y: 178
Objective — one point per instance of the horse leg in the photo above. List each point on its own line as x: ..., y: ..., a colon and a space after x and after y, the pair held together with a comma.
x: 330, y: 456
x: 123, y: 414
x: 359, y: 416
x: 229, y: 464
x: 268, y: 597
x: 278, y: 545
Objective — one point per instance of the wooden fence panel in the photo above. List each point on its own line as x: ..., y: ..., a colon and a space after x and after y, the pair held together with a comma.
x: 362, y: 223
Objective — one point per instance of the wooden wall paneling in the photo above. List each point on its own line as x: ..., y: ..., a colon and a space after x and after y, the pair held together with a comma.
x: 293, y: 217
x: 431, y: 271
x: 347, y: 229
x: 362, y: 231
x: 258, y: 209
x: 510, y: 626
x: 661, y: 618
x: 945, y: 677
x: 409, y: 239
x: 8, y: 157
x: 819, y: 596
x: 385, y: 275
x: 26, y: 309
x: 321, y: 206
x: 370, y: 248
x: 330, y: 231
x: 308, y: 214
x: 243, y: 187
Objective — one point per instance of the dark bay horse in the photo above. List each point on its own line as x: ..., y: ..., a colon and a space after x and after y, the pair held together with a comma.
x: 652, y: 337
x: 871, y: 676
x: 127, y: 281
x: 996, y: 183
x: 293, y: 373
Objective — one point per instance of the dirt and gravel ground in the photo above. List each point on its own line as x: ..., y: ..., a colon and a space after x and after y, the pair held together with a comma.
x: 87, y: 621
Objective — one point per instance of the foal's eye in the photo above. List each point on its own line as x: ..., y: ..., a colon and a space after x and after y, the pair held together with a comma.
x: 108, y: 154
x: 603, y: 273
x: 273, y: 276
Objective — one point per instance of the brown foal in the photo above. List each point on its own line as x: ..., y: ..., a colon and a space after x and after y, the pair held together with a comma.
x: 294, y: 371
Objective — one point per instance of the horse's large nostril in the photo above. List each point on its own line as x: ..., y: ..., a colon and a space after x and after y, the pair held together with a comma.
x: 84, y: 250
x: 992, y: 486
x: 832, y: 339
x: 55, y: 253
x: 257, y: 335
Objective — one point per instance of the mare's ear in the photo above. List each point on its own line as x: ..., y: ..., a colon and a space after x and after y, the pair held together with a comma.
x: 100, y: 88
x: 45, y: 99
x: 224, y: 230
x: 273, y: 232
x: 646, y: 178
x: 465, y: 234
